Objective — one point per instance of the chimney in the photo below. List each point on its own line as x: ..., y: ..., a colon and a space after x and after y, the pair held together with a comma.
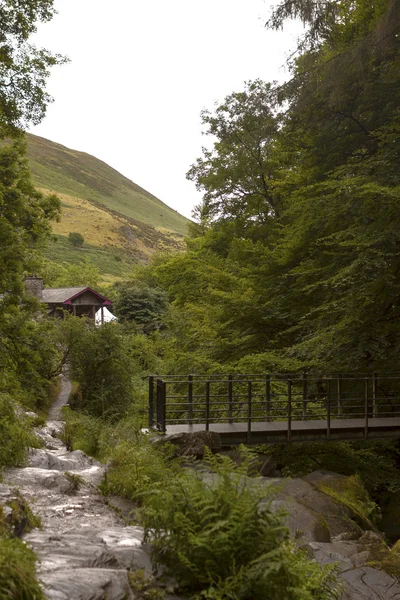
x: 34, y: 286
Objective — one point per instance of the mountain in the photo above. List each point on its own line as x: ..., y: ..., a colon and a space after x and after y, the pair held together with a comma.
x: 121, y: 222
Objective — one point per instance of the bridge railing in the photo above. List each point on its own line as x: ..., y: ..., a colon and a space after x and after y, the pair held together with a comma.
x: 247, y: 398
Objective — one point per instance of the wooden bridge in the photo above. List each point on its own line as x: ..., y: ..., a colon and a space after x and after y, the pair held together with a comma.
x: 261, y: 409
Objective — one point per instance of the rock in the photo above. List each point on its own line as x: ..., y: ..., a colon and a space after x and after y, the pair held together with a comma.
x: 33, y: 476
x: 311, y: 514
x: 69, y: 461
x: 87, y: 584
x: 192, y: 444
x: 366, y: 583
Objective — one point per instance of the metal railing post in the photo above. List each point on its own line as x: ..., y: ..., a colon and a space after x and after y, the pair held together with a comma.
x: 190, y: 399
x: 289, y: 395
x: 161, y: 405
x: 328, y: 411
x: 374, y: 394
x: 249, y: 394
x: 268, y: 397
x: 207, y: 406
x: 230, y: 398
x: 305, y: 392
x: 339, y: 395
x: 151, y: 401
x: 366, y: 408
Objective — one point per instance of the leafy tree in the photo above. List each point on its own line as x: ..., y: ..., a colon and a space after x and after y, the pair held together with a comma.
x: 24, y: 68
x: 102, y: 365
x: 142, y: 305
x: 24, y: 219
x: 238, y: 176
x: 84, y: 273
x: 76, y: 239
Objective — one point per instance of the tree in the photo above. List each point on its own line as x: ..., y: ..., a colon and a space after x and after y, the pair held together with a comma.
x: 238, y: 175
x: 23, y: 67
x: 76, y: 239
x: 24, y: 220
x: 142, y: 305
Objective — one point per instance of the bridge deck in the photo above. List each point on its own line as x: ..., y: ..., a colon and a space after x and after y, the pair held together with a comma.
x: 306, y: 430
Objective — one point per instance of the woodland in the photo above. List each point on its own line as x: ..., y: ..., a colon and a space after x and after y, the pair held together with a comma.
x: 292, y: 264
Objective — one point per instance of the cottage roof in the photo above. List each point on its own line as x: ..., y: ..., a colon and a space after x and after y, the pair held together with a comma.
x: 66, y: 295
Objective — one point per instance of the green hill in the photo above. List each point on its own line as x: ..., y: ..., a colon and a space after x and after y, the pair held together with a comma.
x: 78, y: 174
x: 122, y: 223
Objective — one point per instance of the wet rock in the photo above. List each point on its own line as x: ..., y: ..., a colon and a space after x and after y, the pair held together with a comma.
x: 87, y: 584
x: 192, y: 444
x: 69, y: 461
x: 36, y: 477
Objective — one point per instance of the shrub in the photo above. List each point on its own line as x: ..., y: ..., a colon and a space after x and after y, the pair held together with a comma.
x: 15, y: 435
x: 76, y: 239
x: 102, y: 365
x: 222, y: 542
x: 17, y: 572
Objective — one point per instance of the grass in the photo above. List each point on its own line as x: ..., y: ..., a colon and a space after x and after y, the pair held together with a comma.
x: 110, y: 267
x: 18, y: 571
x: 80, y: 175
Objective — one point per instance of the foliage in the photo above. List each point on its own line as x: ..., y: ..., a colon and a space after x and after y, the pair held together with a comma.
x: 304, y: 271
x: 145, y: 587
x: 135, y: 463
x: 20, y: 521
x: 101, y: 364
x: 24, y: 68
x: 75, y: 238
x: 238, y: 174
x: 374, y: 462
x: 222, y: 541
x: 142, y: 305
x: 15, y: 434
x: 24, y: 220
x: 17, y: 571
x: 63, y: 274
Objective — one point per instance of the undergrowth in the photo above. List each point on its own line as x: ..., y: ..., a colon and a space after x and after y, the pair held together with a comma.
x: 15, y: 434
x: 18, y: 572
x: 221, y: 541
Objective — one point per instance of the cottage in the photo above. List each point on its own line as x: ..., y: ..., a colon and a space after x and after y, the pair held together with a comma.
x: 79, y: 301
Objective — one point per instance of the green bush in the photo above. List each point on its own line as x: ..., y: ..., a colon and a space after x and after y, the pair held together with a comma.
x: 102, y: 366
x: 15, y: 435
x: 222, y: 542
x: 17, y: 572
x: 76, y: 239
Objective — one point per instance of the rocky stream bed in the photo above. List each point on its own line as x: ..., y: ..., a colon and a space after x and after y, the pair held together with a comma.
x: 86, y: 551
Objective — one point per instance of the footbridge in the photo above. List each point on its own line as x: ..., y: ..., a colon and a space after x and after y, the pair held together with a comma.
x: 279, y: 408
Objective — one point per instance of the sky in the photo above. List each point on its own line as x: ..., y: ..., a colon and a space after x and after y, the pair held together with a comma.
x: 141, y: 71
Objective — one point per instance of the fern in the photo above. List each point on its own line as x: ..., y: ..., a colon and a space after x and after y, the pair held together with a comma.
x: 217, y: 534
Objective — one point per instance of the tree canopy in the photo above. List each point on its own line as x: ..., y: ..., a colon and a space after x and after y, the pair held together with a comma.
x: 295, y: 261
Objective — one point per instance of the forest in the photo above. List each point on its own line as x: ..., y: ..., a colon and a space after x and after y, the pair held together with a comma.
x: 291, y: 265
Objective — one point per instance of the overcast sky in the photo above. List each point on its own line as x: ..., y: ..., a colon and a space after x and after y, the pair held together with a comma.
x: 140, y: 73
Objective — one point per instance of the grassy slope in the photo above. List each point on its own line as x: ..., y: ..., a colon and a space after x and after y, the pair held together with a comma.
x: 78, y: 174
x: 121, y: 223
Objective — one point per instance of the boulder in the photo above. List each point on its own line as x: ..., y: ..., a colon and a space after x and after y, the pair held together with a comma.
x: 87, y: 584
x: 192, y: 443
x: 69, y: 461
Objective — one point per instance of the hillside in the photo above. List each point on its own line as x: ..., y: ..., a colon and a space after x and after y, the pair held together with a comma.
x: 121, y: 222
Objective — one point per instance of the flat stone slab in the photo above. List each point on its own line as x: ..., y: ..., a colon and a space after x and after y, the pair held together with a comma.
x: 87, y: 584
